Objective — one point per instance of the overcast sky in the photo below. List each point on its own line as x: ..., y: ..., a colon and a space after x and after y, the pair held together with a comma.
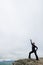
x: 20, y: 20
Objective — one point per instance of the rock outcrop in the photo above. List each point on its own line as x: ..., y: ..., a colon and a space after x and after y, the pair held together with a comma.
x: 28, y: 62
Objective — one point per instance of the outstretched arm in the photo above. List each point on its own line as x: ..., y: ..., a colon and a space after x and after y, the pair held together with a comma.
x: 31, y: 41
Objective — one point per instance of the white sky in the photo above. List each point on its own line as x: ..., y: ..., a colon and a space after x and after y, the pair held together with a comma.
x: 20, y: 20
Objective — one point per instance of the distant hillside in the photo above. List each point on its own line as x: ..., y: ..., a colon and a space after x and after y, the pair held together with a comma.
x: 28, y: 62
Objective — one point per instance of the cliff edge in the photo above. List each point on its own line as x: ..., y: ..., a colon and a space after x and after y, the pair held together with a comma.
x: 28, y: 62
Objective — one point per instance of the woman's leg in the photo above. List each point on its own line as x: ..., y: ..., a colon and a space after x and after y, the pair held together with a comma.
x: 30, y: 54
x: 36, y: 55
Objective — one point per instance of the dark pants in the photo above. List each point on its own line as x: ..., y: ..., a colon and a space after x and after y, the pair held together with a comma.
x: 34, y: 53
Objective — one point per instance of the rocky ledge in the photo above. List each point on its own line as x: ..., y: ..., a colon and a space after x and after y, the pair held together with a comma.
x: 28, y: 62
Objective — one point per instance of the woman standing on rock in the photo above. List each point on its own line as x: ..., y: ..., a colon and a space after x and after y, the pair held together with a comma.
x: 34, y: 49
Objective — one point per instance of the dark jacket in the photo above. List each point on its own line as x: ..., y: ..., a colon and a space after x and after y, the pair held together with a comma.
x: 34, y: 47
